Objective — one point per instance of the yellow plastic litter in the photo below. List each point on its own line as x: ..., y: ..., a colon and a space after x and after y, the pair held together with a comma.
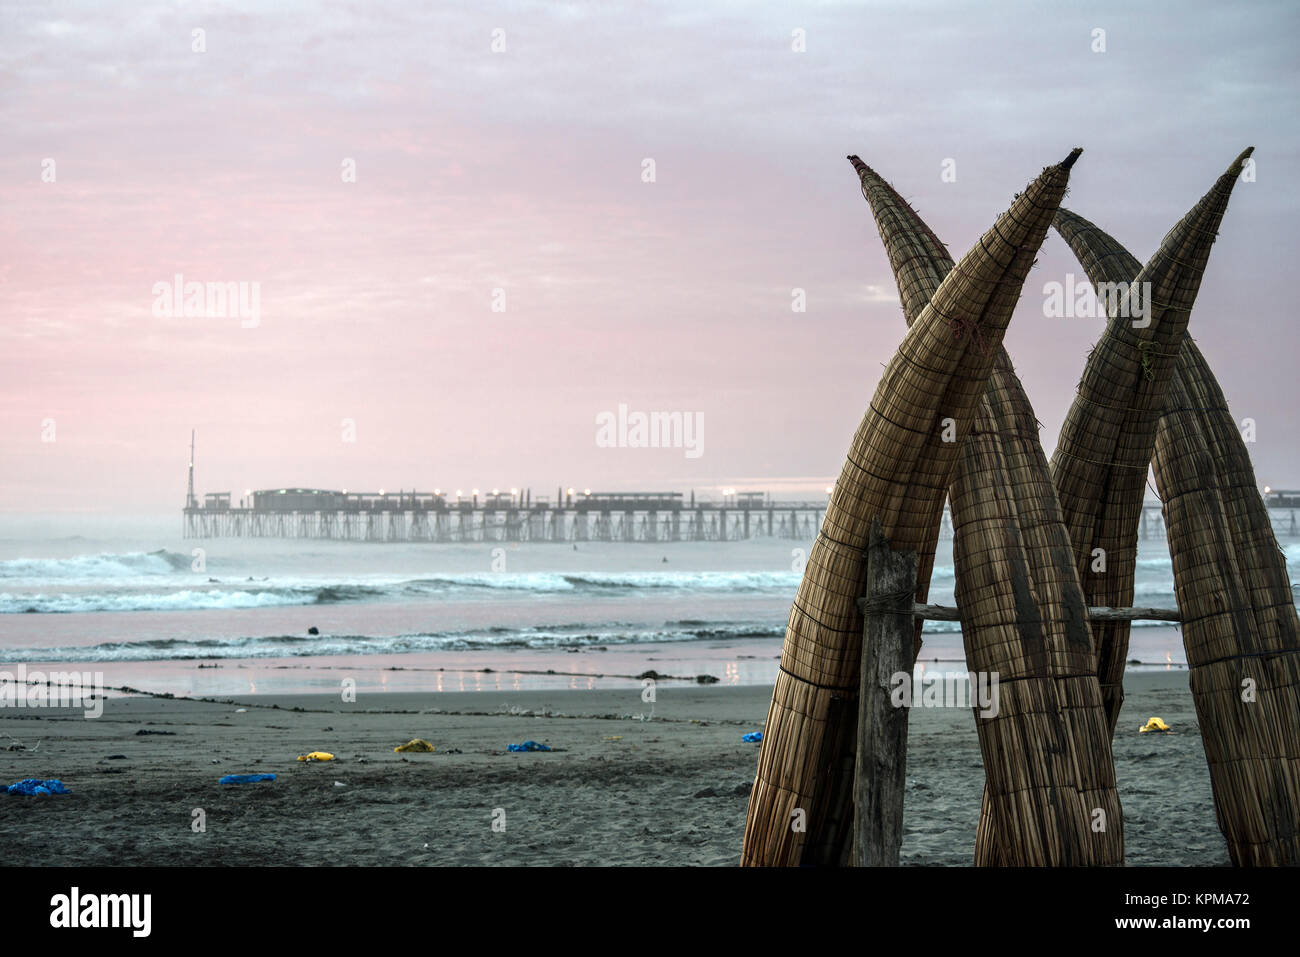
x: 614, y: 737
x: 316, y: 756
x: 415, y: 744
x: 1154, y: 724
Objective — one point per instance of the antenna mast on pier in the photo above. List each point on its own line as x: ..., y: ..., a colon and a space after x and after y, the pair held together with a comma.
x: 189, y: 493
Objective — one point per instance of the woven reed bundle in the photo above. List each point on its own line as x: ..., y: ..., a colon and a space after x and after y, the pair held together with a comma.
x: 1252, y: 746
x: 917, y: 257
x: 1106, y: 443
x: 1262, y: 562
x: 1233, y: 591
x: 1047, y: 754
x: 898, y: 469
x: 1047, y: 757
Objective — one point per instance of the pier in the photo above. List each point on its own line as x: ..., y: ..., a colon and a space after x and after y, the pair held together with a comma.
x: 515, y: 516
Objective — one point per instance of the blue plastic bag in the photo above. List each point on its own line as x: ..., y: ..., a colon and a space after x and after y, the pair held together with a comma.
x: 36, y: 786
x: 527, y: 746
x: 753, y: 737
x: 246, y: 778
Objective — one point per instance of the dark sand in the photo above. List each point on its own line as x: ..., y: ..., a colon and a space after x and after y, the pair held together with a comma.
x: 670, y: 790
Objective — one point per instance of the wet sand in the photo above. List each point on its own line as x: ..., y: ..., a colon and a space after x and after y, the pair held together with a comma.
x: 623, y: 787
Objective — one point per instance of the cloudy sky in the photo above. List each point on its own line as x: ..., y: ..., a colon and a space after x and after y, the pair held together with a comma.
x: 136, y: 149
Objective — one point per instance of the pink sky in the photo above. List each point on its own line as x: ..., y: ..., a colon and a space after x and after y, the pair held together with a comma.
x: 521, y: 170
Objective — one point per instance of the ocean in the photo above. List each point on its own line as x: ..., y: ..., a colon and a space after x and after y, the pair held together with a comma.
x: 131, y: 598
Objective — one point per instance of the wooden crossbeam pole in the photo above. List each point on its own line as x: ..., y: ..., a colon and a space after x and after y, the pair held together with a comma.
x: 949, y: 613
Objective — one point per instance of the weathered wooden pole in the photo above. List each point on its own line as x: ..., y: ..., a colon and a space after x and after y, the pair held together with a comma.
x: 887, y: 651
x: 1095, y: 613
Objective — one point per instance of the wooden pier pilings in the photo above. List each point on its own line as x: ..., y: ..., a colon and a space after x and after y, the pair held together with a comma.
x: 795, y: 521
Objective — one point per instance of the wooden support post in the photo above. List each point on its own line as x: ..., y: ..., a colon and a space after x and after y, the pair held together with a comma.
x: 887, y: 651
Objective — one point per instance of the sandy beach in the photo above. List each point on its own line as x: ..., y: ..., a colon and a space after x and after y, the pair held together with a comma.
x: 622, y: 787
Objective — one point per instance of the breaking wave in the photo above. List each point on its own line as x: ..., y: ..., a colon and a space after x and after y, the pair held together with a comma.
x: 104, y: 565
x: 304, y: 646
x: 182, y: 600
x: 236, y: 595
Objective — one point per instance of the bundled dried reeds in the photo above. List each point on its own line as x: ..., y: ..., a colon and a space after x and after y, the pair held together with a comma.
x: 1106, y: 443
x: 1240, y: 629
x: 898, y: 470
x: 1047, y: 753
